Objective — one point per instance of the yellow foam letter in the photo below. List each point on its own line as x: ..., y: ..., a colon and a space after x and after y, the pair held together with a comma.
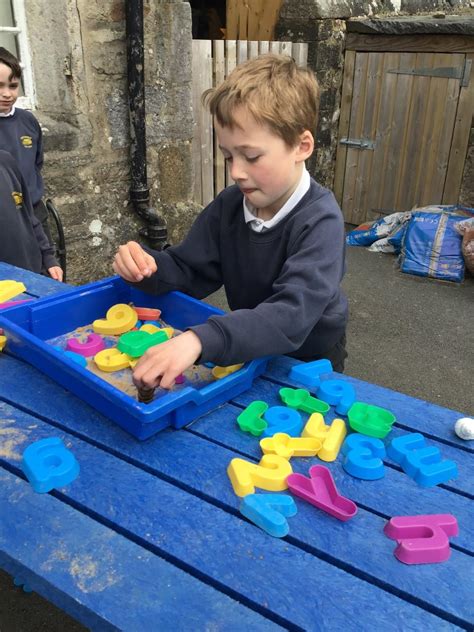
x: 110, y: 360
x: 119, y: 319
x: 331, y: 436
x: 286, y: 446
x: 271, y: 473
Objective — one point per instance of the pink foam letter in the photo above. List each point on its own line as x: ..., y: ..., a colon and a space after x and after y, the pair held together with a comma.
x: 422, y: 539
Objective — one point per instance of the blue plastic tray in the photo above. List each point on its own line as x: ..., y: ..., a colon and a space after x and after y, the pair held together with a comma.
x: 28, y: 326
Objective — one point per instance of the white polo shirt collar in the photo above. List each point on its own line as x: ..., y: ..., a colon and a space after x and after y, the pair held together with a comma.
x: 260, y: 225
x: 11, y: 113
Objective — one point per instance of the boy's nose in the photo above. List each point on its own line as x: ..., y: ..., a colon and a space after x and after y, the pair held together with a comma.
x: 237, y: 172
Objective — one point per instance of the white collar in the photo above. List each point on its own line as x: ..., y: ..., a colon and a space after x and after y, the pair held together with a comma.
x: 259, y: 225
x: 11, y: 113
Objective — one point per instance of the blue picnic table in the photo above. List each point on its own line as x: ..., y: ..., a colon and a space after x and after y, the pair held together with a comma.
x: 150, y: 537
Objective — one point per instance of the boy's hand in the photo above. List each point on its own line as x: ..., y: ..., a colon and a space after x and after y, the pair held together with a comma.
x: 132, y: 263
x: 56, y: 273
x: 161, y: 364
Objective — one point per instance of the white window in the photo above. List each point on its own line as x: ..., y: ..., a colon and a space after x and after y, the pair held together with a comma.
x: 13, y: 38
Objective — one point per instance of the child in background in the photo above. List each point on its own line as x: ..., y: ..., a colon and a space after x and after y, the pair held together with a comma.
x: 24, y: 243
x: 274, y: 239
x: 20, y: 134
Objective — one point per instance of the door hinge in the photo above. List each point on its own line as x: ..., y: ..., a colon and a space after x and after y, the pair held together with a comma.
x: 360, y: 143
x: 448, y: 72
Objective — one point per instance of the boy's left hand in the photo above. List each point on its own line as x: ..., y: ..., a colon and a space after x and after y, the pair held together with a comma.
x: 160, y: 365
x: 56, y: 273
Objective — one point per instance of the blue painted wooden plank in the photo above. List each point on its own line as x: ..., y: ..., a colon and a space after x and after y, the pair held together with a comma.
x: 395, y: 494
x: 227, y: 548
x: 460, y: 451
x: 411, y: 413
x: 213, y: 427
x: 179, y: 460
x: 99, y: 577
x: 463, y: 459
x: 17, y: 377
x: 36, y: 284
x: 421, y: 416
x: 367, y: 400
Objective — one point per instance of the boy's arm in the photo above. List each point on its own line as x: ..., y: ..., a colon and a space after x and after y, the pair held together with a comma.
x: 39, y: 149
x: 309, y: 281
x: 161, y: 364
x: 193, y: 266
x: 47, y: 251
x: 49, y: 260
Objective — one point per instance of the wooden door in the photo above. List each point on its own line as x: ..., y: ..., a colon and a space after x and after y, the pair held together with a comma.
x: 403, y: 134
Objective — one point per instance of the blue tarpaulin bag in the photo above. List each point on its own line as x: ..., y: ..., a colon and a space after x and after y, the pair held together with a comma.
x: 396, y: 239
x: 372, y: 232
x: 432, y: 247
x: 366, y: 234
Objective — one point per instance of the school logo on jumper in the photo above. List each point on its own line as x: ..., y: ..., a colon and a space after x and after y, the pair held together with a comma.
x: 18, y: 199
x: 26, y: 141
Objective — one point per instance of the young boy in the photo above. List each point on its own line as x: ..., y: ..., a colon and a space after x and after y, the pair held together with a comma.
x: 275, y: 239
x: 20, y: 134
x: 23, y: 242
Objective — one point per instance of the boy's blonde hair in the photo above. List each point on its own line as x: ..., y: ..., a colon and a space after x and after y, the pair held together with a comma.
x: 274, y: 90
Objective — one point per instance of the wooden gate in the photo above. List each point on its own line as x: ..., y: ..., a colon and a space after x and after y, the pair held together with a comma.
x: 404, y: 130
x: 212, y: 62
x: 252, y: 19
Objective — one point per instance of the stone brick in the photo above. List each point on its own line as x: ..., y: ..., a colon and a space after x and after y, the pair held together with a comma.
x: 317, y: 9
x: 329, y: 55
x: 328, y: 100
x: 175, y: 172
x: 323, y: 137
x: 297, y: 30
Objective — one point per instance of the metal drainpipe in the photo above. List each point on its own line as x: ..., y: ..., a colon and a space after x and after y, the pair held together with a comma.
x: 155, y: 231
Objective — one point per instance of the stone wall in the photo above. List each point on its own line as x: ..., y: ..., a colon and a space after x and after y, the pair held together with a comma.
x: 80, y: 71
x: 322, y: 23
x: 79, y: 63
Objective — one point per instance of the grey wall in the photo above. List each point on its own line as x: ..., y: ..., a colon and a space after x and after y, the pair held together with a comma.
x: 79, y: 64
x: 79, y: 61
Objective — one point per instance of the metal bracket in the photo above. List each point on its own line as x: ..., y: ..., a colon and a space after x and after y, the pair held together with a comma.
x: 447, y: 72
x: 359, y: 143
x: 466, y: 75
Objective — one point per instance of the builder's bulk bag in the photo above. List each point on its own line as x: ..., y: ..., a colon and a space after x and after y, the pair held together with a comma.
x: 370, y: 232
x: 432, y: 247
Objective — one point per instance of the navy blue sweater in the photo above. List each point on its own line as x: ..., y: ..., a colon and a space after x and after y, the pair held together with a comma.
x: 23, y: 241
x: 282, y: 285
x: 21, y: 136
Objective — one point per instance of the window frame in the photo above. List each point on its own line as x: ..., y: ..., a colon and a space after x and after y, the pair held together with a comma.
x: 28, y: 100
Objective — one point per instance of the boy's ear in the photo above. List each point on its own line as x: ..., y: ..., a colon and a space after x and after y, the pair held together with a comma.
x: 305, y: 145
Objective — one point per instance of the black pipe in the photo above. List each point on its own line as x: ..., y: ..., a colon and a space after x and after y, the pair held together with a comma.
x: 155, y: 231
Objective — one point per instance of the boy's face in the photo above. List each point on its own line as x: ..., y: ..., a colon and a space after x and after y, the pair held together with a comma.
x: 9, y: 87
x: 261, y: 164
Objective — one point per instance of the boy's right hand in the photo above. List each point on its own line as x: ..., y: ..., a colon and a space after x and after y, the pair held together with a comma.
x: 132, y: 263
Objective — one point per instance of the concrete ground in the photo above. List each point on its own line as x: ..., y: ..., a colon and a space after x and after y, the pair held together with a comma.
x: 406, y: 333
